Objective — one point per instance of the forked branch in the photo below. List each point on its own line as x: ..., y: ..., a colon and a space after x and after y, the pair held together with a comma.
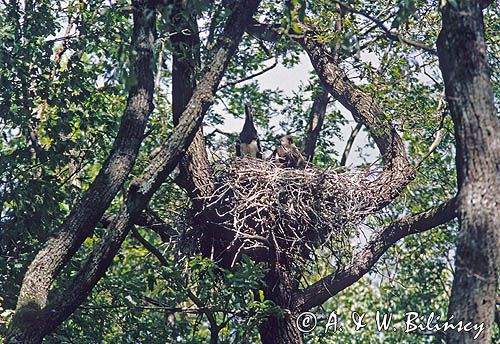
x: 144, y: 187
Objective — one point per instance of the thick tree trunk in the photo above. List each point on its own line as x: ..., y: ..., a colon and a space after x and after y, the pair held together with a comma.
x: 169, y: 155
x: 280, y: 330
x: 463, y: 62
x: 281, y: 288
x: 195, y: 176
x: 28, y: 319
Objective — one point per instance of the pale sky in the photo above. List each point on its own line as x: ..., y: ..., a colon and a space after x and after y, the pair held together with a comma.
x: 289, y: 80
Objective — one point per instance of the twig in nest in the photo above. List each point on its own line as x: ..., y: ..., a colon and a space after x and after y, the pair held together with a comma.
x: 296, y: 209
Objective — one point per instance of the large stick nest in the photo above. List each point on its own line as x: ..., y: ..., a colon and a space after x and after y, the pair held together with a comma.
x: 287, y: 210
x: 261, y: 204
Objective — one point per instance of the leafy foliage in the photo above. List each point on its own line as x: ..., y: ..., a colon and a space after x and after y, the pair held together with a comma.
x: 63, y: 77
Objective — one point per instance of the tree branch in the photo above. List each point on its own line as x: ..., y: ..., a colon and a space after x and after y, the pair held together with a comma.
x: 147, y: 219
x: 195, y: 171
x: 439, y: 133
x: 387, y: 32
x: 150, y: 247
x: 249, y: 77
x: 143, y: 188
x: 317, y: 293
x: 85, y: 215
x: 363, y: 107
x: 349, y: 143
x: 267, y: 32
x: 315, y: 123
x: 398, y: 172
x: 214, y: 327
x: 151, y: 220
x: 160, y: 308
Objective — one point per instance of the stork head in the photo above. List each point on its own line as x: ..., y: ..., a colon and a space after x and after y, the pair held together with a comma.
x: 248, y: 111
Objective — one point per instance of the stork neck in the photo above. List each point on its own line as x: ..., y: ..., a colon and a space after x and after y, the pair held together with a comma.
x: 249, y: 125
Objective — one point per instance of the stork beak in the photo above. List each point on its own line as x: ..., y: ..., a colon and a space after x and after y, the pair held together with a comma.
x: 248, y: 108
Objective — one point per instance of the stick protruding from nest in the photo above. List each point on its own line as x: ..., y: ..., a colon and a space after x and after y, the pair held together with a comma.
x: 259, y: 203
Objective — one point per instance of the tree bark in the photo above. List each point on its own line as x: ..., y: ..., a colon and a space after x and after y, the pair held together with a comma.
x: 280, y: 329
x: 315, y: 123
x: 398, y: 172
x: 349, y: 143
x: 170, y: 154
x: 327, y: 287
x: 195, y: 176
x: 463, y: 62
x: 88, y: 211
x: 281, y: 287
x: 34, y: 322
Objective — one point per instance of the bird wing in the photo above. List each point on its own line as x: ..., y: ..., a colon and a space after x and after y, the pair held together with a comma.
x: 281, y: 152
x: 259, y: 149
x: 238, y: 148
x: 296, y: 157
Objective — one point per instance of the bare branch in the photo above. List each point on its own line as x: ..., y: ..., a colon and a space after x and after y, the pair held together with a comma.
x: 437, y: 140
x: 315, y: 123
x: 349, y: 143
x: 367, y: 257
x: 439, y: 133
x: 148, y: 219
x: 150, y: 247
x: 159, y: 68
x: 151, y: 220
x: 267, y: 32
x: 221, y: 132
x: 252, y: 76
x: 387, y: 32
x: 160, y: 308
